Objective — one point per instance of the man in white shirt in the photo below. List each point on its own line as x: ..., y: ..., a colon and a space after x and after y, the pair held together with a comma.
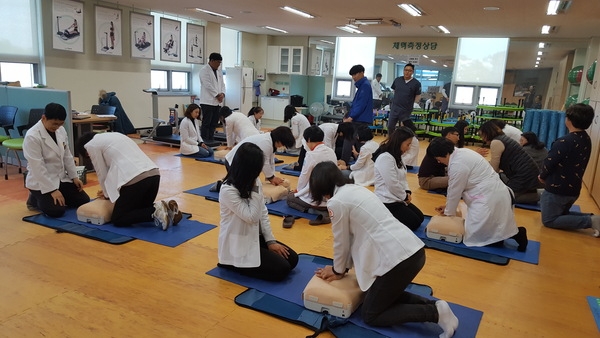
x: 212, y: 94
x: 377, y: 93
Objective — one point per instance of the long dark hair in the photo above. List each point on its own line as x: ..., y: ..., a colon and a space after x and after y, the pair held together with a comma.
x: 245, y: 168
x: 393, y: 144
x: 489, y: 131
x: 532, y: 140
x: 288, y: 112
x: 254, y: 110
x: 324, y: 177
x: 461, y: 125
x: 190, y: 109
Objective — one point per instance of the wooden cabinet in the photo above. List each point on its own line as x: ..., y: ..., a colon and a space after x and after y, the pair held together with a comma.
x: 286, y: 60
x: 274, y: 107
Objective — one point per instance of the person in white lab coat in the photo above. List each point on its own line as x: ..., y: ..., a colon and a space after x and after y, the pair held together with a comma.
x: 490, y: 218
x: 212, y: 94
x: 508, y: 130
x: 318, y: 152
x: 52, y: 178
x: 255, y: 116
x: 268, y: 142
x: 377, y: 92
x: 410, y: 158
x: 192, y: 144
x: 391, y: 185
x: 129, y: 179
x: 297, y: 123
x: 237, y: 126
x: 385, y: 254
x: 246, y: 241
x: 363, y: 170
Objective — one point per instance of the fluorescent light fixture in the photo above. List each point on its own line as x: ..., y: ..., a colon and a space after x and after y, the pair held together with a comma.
x: 446, y: 66
x: 537, y: 62
x: 350, y: 29
x: 389, y: 57
x: 546, y: 29
x: 328, y: 42
x: 433, y: 61
x: 558, y: 6
x: 297, y: 12
x: 213, y: 13
x: 540, y: 52
x: 425, y: 56
x: 538, y: 58
x: 444, y: 29
x: 275, y: 29
x: 411, y: 9
x: 542, y: 45
x: 536, y: 66
x: 366, y: 21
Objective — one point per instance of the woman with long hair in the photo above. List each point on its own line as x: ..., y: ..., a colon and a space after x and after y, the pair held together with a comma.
x: 192, y: 144
x: 246, y: 242
x: 255, y: 115
x: 297, y: 123
x: 533, y: 147
x: 391, y: 186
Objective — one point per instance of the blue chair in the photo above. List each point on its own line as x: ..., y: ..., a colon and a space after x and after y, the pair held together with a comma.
x: 7, y: 121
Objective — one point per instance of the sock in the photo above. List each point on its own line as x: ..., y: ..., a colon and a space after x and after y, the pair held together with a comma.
x: 446, y: 319
x: 521, y: 238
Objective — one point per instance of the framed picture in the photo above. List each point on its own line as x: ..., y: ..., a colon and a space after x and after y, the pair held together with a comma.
x: 326, y: 63
x: 195, y: 44
x: 142, y: 36
x: 170, y: 40
x: 109, y: 37
x: 67, y: 20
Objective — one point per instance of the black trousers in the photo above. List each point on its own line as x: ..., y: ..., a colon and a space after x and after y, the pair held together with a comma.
x: 45, y: 203
x: 210, y: 120
x: 136, y: 202
x: 409, y: 215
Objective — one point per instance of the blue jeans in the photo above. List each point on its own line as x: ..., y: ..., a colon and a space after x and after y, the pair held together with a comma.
x: 556, y: 214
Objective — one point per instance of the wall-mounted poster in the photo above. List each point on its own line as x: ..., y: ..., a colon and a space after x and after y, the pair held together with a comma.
x: 326, y: 63
x: 170, y: 40
x: 109, y: 37
x: 142, y: 36
x: 195, y: 44
x: 67, y: 20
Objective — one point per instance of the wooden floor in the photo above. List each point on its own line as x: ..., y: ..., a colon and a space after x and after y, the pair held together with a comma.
x: 61, y: 285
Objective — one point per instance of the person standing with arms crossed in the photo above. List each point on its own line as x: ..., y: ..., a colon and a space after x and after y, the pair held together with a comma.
x: 212, y: 94
x: 407, y: 91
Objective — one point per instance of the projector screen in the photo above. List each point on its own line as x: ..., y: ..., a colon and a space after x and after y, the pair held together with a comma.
x: 481, y: 61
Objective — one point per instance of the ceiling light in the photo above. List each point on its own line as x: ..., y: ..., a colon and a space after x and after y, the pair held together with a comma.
x: 275, y: 29
x: 389, y: 57
x: 536, y: 66
x: 537, y: 62
x: 213, y: 13
x: 491, y: 8
x: 433, y: 61
x: 329, y: 42
x: 541, y: 45
x: 297, y: 12
x: 425, y: 56
x: 558, y: 6
x: 350, y: 29
x: 411, y: 9
x: 538, y: 58
x: 446, y: 66
x: 540, y: 52
x: 546, y: 29
x: 444, y: 29
x: 366, y: 21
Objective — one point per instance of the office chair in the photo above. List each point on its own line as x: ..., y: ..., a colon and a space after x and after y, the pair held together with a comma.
x: 7, y: 120
x: 16, y: 144
x: 103, y: 110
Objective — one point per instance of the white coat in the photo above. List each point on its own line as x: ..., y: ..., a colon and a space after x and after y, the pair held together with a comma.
x: 117, y: 160
x: 242, y: 221
x: 265, y: 143
x: 321, y: 153
x: 48, y: 162
x: 190, y: 136
x: 512, y: 132
x: 330, y: 131
x: 390, y: 181
x: 255, y: 122
x: 411, y: 157
x: 490, y: 216
x: 211, y: 85
x: 237, y: 128
x: 376, y: 89
x: 367, y: 235
x: 363, y: 170
x: 298, y: 124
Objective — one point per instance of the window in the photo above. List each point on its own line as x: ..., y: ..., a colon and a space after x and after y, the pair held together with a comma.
x: 488, y: 96
x: 169, y: 80
x: 23, y: 72
x: 464, y: 95
x: 343, y: 88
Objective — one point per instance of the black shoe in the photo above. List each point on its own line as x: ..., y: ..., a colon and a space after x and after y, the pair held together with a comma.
x: 216, y: 187
x: 521, y: 238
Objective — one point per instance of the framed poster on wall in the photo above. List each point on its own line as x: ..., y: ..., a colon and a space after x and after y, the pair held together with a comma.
x: 67, y: 20
x: 109, y: 37
x: 195, y: 44
x: 170, y: 40
x: 142, y: 35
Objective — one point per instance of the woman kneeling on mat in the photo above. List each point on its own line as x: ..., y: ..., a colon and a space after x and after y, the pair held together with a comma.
x: 246, y: 242
x: 386, y: 254
x: 490, y: 217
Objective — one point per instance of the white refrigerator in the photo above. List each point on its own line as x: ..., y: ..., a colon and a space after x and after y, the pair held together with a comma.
x: 239, y: 93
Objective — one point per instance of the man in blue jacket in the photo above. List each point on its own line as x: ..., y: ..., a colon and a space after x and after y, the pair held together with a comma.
x: 361, y: 111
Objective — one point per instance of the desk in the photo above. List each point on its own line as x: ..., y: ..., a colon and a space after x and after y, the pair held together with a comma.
x: 81, y: 127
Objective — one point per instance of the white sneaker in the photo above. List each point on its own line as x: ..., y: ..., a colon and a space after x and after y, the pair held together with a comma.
x: 161, y: 215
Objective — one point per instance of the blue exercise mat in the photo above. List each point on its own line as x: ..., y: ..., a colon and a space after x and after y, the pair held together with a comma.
x: 594, y: 303
x: 291, y: 289
x: 414, y: 170
x: 287, y: 171
x: 283, y: 153
x: 279, y: 208
x: 211, y: 159
x: 175, y: 235
x: 536, y: 207
x: 532, y: 255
